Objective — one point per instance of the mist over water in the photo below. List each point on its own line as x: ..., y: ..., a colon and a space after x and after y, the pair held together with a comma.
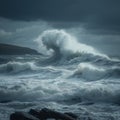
x: 69, y: 76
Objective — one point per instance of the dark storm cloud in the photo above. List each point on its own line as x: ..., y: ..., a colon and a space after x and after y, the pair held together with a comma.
x: 97, y: 13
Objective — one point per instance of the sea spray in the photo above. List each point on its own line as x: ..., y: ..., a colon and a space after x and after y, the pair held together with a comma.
x: 62, y: 43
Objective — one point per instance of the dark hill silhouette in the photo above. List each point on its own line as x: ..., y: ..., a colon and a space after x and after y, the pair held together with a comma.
x: 7, y: 49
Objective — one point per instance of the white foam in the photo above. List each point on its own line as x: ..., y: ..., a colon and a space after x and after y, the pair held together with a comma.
x: 15, y: 67
x: 63, y: 43
x: 89, y: 71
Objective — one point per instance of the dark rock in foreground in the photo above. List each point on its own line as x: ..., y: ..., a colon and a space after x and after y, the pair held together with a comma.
x: 71, y: 115
x: 22, y: 116
x: 43, y: 114
x: 6, y: 49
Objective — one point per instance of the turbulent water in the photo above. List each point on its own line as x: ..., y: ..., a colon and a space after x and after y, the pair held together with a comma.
x: 70, y: 76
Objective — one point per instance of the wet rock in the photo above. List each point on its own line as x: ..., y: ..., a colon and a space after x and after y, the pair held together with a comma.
x: 22, y: 116
x: 46, y: 113
x: 35, y: 113
x: 71, y: 115
x: 42, y: 114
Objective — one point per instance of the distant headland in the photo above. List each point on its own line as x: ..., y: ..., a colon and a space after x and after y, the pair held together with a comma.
x: 7, y: 49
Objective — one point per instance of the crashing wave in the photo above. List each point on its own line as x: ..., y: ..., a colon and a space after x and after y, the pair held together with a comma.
x: 62, y: 44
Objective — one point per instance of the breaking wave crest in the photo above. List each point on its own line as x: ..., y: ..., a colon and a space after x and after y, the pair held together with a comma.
x: 91, y: 72
x: 15, y: 67
x: 61, y: 44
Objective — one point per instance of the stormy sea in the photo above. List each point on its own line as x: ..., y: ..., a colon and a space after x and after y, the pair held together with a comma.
x: 69, y: 76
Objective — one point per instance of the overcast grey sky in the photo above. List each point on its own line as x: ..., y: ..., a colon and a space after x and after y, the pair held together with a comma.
x: 95, y: 13
x: 94, y: 22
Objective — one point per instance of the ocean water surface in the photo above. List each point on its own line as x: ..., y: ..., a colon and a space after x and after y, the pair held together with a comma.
x: 70, y: 76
